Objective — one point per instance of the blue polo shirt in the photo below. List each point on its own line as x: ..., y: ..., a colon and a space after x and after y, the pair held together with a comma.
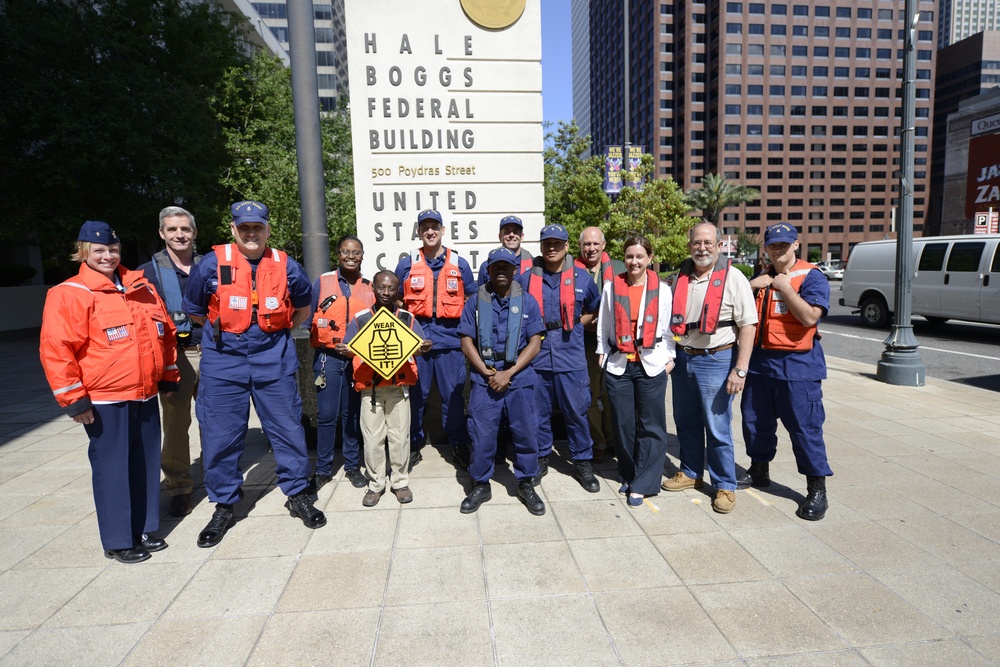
x: 797, y: 366
x: 531, y: 325
x: 253, y: 355
x: 443, y: 331
x: 563, y: 351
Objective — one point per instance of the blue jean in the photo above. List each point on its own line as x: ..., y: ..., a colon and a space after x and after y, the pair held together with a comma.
x: 338, y: 408
x: 703, y: 414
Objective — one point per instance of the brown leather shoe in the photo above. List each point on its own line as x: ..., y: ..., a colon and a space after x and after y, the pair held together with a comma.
x: 403, y: 495
x: 372, y: 497
x: 724, y: 501
x: 180, y: 505
x: 680, y: 482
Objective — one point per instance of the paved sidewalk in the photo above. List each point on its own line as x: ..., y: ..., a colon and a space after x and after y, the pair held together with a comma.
x: 904, y: 570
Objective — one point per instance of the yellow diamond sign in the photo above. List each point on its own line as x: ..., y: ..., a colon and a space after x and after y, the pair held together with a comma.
x: 384, y: 343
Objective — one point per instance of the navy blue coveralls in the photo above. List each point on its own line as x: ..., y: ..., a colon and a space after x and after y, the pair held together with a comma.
x: 444, y: 362
x: 786, y: 385
x: 562, y: 365
x: 234, y: 369
x: 486, y: 405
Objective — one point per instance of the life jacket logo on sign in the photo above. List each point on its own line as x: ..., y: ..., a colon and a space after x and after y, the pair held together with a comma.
x: 118, y: 333
x: 417, y: 282
x: 237, y: 303
x: 271, y: 303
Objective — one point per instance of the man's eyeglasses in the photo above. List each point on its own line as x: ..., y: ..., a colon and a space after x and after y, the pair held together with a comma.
x: 352, y: 253
x: 702, y: 244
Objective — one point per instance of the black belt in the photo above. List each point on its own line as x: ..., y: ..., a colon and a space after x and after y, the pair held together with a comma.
x: 196, y: 348
x: 694, y: 351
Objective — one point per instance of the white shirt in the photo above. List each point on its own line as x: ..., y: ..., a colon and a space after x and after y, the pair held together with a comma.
x: 655, y: 359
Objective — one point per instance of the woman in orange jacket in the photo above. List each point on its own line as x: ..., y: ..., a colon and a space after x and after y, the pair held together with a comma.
x: 107, y: 347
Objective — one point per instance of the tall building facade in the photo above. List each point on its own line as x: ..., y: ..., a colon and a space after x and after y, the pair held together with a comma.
x: 801, y: 101
x: 963, y: 18
x: 580, y: 19
x: 965, y: 70
x: 331, y: 43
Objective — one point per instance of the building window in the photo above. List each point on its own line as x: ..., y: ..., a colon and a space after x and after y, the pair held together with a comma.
x: 821, y: 31
x: 777, y: 49
x: 843, y: 32
x: 802, y: 51
x: 755, y: 29
x: 800, y: 10
x: 800, y: 31
x: 734, y: 28
x: 843, y: 12
x: 779, y: 30
x: 734, y: 49
x: 734, y: 7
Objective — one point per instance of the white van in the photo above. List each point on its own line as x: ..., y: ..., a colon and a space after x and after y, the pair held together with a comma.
x: 954, y: 277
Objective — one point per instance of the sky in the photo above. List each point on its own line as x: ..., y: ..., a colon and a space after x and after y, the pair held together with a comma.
x: 557, y: 61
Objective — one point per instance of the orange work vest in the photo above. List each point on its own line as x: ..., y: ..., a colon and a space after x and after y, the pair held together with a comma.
x: 240, y: 294
x: 779, y: 329
x: 426, y: 297
x: 335, y: 311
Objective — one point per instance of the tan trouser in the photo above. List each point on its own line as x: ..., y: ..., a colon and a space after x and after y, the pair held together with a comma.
x: 388, y: 416
x: 176, y: 453
x: 600, y: 420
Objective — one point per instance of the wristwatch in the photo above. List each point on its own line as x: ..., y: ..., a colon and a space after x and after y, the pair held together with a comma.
x: 740, y: 373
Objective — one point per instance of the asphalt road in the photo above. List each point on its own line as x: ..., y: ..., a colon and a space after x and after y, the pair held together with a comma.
x: 959, y: 351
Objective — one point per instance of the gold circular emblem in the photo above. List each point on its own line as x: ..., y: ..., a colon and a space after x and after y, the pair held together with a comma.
x: 494, y: 14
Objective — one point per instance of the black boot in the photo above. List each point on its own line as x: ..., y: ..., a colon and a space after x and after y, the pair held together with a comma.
x: 758, y: 475
x: 301, y: 506
x: 222, y: 520
x: 526, y: 494
x: 543, y: 470
x: 583, y: 472
x: 479, y: 495
x: 814, y: 507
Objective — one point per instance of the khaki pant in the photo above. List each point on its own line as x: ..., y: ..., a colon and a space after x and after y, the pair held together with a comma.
x: 386, y: 416
x: 600, y: 420
x: 176, y: 454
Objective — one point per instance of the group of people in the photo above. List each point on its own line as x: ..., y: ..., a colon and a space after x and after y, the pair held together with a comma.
x: 593, y: 336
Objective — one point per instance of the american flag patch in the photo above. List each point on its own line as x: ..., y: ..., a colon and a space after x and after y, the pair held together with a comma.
x: 159, y: 328
x: 238, y: 302
x: 117, y: 333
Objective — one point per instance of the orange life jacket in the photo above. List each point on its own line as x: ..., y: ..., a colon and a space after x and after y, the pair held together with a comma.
x: 426, y: 297
x: 649, y: 315
x: 335, y: 310
x: 708, y: 319
x: 366, y: 378
x: 105, y: 345
x: 241, y: 293
x: 607, y: 270
x: 779, y: 329
x: 567, y: 294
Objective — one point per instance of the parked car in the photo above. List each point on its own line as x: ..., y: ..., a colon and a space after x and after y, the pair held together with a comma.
x: 954, y: 277
x: 833, y: 270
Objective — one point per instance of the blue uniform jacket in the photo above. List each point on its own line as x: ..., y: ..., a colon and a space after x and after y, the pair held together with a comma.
x: 797, y: 366
x: 531, y: 325
x: 563, y: 351
x: 253, y: 354
x: 443, y: 331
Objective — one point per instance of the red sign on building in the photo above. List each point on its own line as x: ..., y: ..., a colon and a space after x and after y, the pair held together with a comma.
x: 983, y: 184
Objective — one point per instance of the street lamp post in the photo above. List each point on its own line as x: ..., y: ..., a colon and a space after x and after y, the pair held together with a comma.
x: 901, y: 363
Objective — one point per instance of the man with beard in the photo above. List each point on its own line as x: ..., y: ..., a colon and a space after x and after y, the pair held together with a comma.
x: 713, y: 312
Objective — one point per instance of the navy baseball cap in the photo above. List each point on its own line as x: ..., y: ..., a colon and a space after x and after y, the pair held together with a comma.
x: 501, y: 255
x: 780, y: 233
x: 95, y: 231
x: 429, y: 214
x: 554, y: 232
x: 511, y: 220
x: 250, y: 211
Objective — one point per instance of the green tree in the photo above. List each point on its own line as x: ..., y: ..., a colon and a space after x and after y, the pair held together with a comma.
x: 107, y: 114
x: 717, y: 193
x: 258, y: 119
x: 815, y: 255
x: 658, y: 212
x: 747, y: 245
x: 574, y: 194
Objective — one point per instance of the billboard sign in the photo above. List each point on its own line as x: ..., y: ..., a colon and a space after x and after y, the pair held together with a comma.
x: 983, y: 180
x: 446, y: 113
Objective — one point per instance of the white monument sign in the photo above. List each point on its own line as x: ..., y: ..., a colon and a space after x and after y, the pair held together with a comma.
x: 446, y: 113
